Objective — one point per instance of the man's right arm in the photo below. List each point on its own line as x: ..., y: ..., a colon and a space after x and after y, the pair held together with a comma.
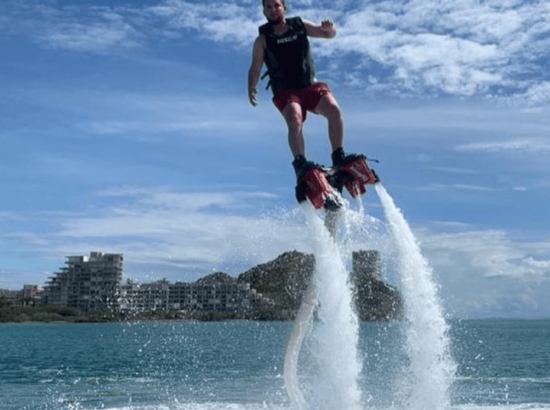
x: 255, y: 68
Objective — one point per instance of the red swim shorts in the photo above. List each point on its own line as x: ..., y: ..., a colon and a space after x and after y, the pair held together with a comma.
x: 308, y: 97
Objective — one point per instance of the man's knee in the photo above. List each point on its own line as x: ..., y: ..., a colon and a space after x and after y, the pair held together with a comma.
x: 293, y: 115
x: 328, y: 107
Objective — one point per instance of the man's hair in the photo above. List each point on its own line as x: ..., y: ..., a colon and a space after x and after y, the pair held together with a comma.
x: 282, y: 1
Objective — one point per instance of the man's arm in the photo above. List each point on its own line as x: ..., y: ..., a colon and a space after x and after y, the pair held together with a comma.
x: 325, y: 30
x: 255, y: 68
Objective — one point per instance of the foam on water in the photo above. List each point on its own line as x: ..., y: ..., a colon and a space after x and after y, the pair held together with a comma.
x: 190, y: 406
x: 266, y: 406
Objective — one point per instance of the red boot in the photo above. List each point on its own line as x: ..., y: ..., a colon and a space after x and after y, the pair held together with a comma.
x: 313, y: 184
x: 352, y: 172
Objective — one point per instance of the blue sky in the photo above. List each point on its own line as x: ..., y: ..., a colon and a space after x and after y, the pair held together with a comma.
x: 126, y: 127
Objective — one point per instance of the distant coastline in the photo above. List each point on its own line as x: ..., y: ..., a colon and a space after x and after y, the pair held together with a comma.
x: 61, y: 314
x: 56, y: 314
x: 273, y: 292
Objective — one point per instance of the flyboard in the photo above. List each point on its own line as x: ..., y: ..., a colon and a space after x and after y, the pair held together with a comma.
x: 323, y: 188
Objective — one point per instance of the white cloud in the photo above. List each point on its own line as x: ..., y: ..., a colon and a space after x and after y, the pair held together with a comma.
x: 90, y: 29
x: 14, y: 280
x: 519, y: 145
x: 234, y: 23
x: 536, y: 267
x: 455, y: 187
x: 458, y: 48
x: 487, y: 273
x: 95, y: 37
x: 9, y: 216
x: 535, y: 93
x: 160, y: 226
x: 442, y: 62
x: 452, y: 170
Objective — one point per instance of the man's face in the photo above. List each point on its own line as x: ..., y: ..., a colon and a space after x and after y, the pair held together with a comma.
x: 274, y: 10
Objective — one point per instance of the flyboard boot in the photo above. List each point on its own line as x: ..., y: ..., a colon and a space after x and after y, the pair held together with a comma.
x: 352, y: 172
x: 313, y: 184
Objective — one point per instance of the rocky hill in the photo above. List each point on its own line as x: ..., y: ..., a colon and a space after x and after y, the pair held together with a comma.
x: 285, y: 279
x: 282, y: 280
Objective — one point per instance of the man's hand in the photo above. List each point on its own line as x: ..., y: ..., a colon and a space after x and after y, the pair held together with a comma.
x: 255, y: 69
x: 252, y: 96
x: 327, y: 26
x: 325, y: 30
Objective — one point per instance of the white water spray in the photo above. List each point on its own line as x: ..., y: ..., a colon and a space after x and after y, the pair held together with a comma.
x: 431, y: 366
x: 336, y: 331
x: 427, y: 380
x: 292, y: 354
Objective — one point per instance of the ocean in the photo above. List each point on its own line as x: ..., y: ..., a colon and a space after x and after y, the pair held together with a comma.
x: 501, y: 365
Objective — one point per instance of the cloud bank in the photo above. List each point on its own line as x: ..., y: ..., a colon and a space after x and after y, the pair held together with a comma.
x: 492, y: 49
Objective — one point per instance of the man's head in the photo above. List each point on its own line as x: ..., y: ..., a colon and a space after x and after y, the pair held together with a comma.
x: 274, y: 10
x: 282, y: 1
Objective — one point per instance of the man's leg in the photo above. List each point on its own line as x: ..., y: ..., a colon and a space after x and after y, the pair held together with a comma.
x: 321, y: 195
x: 328, y: 108
x: 294, y: 119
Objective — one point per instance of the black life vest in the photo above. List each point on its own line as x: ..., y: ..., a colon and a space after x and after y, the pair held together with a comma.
x: 288, y: 56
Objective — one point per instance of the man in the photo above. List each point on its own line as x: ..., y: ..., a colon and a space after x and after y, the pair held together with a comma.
x: 282, y: 44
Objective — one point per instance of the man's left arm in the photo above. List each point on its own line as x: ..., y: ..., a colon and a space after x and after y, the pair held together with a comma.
x: 325, y: 30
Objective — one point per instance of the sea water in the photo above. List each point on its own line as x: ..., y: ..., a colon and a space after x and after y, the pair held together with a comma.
x: 502, y: 365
